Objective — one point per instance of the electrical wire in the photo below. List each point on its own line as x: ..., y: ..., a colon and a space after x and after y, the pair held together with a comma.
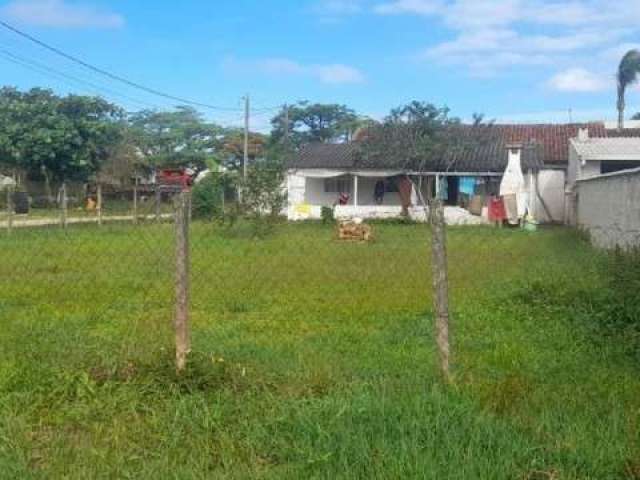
x: 110, y: 75
x: 47, y: 70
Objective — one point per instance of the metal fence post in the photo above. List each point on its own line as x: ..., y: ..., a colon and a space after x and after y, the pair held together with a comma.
x: 182, y: 333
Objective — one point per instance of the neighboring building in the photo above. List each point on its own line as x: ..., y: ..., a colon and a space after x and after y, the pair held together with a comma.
x: 321, y: 175
x: 591, y: 158
x: 608, y: 208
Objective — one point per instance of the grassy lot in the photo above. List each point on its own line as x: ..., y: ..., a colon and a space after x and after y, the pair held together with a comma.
x: 312, y: 358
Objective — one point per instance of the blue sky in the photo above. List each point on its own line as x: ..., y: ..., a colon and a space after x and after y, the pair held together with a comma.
x: 514, y: 60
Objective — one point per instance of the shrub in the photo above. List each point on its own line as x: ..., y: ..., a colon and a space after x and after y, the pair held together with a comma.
x: 208, y: 198
x: 327, y: 215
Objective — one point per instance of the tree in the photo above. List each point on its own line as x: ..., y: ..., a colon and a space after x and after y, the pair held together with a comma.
x: 179, y: 138
x: 58, y: 138
x: 411, y: 137
x: 233, y: 148
x: 627, y: 75
x: 314, y: 122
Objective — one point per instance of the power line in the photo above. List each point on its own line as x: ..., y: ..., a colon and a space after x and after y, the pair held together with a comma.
x: 47, y: 70
x: 109, y: 74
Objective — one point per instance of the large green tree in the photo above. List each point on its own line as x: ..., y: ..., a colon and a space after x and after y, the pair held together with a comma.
x: 60, y: 138
x: 179, y: 138
x: 314, y: 122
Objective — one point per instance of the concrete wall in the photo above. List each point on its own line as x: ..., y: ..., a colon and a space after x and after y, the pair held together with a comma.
x: 608, y: 207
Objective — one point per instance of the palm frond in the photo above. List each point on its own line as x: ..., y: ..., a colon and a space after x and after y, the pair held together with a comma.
x: 629, y: 68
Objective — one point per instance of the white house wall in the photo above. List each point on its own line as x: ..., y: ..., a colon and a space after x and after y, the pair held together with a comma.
x: 551, y: 187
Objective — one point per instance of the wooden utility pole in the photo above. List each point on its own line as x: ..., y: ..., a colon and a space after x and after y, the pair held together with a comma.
x: 158, y: 201
x: 135, y: 201
x: 99, y: 202
x: 63, y: 205
x: 181, y: 324
x: 9, y: 209
x: 440, y: 285
x: 247, y: 107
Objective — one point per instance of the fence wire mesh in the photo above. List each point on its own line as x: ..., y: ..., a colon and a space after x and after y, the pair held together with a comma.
x: 299, y: 339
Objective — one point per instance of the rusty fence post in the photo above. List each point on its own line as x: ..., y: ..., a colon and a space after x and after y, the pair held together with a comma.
x: 182, y: 333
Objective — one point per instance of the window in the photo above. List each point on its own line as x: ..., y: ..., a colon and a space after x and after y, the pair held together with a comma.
x: 612, y: 167
x: 338, y: 185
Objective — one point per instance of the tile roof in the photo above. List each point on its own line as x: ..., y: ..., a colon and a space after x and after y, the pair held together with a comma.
x: 626, y: 133
x: 545, y: 143
x: 325, y: 155
x: 554, y: 138
x: 476, y: 156
x: 627, y: 148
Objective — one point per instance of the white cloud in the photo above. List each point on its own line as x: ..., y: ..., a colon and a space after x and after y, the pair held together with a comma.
x: 419, y: 7
x: 334, y: 11
x: 579, y: 80
x: 60, y: 14
x: 331, y: 74
x: 338, y: 7
x: 337, y: 74
x: 489, y: 36
x: 558, y: 116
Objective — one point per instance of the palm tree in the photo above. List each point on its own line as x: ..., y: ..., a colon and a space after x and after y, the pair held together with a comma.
x: 627, y: 75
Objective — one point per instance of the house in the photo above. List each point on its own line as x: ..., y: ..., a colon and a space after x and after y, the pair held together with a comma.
x: 591, y: 158
x: 360, y: 184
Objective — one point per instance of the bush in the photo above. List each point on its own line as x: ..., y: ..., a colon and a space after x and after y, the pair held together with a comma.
x: 327, y: 215
x: 208, y: 198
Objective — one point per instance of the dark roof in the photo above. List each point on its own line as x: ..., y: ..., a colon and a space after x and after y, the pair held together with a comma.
x: 326, y: 155
x: 543, y: 144
x: 624, y: 133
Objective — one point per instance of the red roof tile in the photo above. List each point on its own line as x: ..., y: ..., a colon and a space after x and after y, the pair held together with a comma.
x: 554, y: 139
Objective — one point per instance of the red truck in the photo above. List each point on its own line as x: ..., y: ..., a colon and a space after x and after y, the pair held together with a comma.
x: 175, y: 178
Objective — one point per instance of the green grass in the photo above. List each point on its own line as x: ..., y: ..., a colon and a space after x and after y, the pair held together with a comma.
x: 312, y: 358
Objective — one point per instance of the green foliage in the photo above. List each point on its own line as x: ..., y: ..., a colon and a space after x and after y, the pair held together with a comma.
x: 63, y: 138
x: 424, y: 137
x: 627, y: 75
x: 179, y: 138
x: 263, y: 193
x: 315, y: 122
x: 312, y: 358
x: 327, y: 215
x: 208, y: 197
